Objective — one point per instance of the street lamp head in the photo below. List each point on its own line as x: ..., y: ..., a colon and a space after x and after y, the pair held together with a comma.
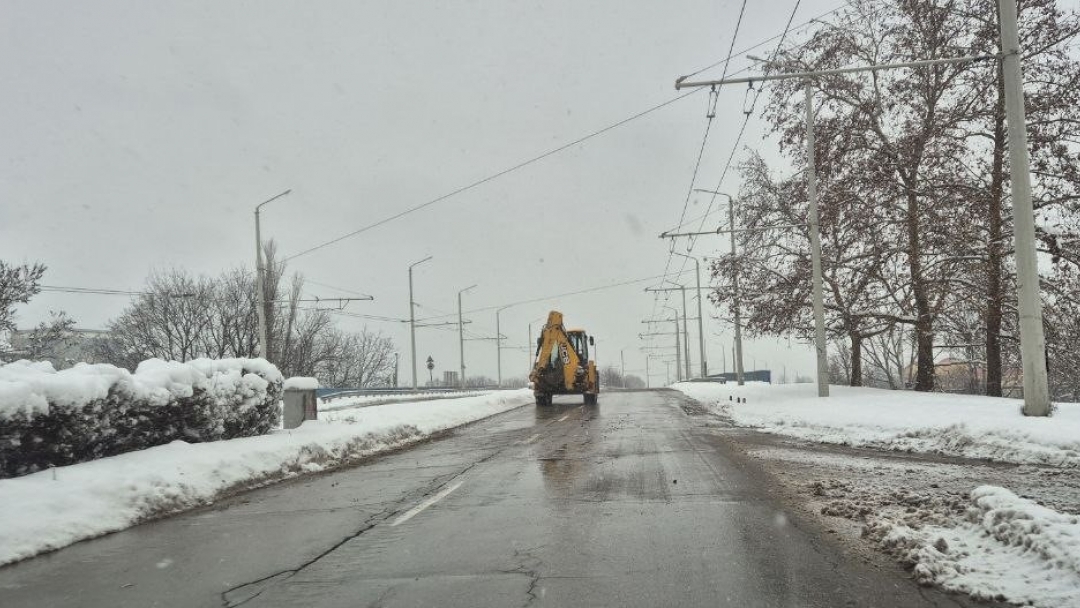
x: 714, y: 192
x: 271, y: 199
x: 420, y: 262
x: 466, y: 289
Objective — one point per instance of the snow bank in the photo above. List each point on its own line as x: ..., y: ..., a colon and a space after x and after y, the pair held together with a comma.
x: 954, y: 425
x: 50, y: 418
x: 68, y: 504
x: 1009, y: 548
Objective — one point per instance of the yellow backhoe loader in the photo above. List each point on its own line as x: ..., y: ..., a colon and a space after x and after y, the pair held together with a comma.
x: 562, y: 364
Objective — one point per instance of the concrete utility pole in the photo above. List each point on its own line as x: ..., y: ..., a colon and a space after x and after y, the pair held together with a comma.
x: 686, y: 319
x: 815, y: 246
x: 260, y: 280
x: 648, y: 376
x: 498, y: 342
x: 815, y: 242
x: 461, y: 335
x: 678, y: 345
x: 622, y: 366
x: 735, y: 308
x: 1032, y: 340
x: 700, y: 316
x: 412, y: 321
x: 686, y: 334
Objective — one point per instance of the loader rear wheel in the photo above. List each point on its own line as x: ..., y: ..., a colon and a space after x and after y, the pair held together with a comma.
x: 590, y: 398
x: 542, y: 400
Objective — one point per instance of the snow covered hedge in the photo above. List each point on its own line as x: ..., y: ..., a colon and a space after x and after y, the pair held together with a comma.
x: 50, y: 418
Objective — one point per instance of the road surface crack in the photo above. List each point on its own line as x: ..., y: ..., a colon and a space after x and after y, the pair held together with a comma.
x: 243, y: 593
x: 527, y: 565
x: 264, y: 583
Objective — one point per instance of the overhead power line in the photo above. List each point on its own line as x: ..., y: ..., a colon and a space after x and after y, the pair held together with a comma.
x: 713, y: 98
x: 492, y: 177
x: 91, y: 290
x: 553, y: 151
x: 742, y: 130
x: 551, y: 297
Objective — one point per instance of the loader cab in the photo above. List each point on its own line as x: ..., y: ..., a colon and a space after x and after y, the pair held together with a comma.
x: 580, y: 342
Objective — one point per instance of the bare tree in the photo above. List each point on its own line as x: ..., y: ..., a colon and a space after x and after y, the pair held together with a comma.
x: 17, y: 285
x: 360, y: 360
x: 183, y: 317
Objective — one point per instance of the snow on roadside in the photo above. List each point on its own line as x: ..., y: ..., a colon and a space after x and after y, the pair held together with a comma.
x: 52, y: 509
x: 1006, y: 548
x: 954, y: 425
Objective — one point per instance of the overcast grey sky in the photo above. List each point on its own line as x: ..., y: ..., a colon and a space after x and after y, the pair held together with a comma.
x: 141, y: 135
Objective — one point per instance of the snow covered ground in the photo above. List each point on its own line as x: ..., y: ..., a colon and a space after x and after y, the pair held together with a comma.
x: 1004, y: 530
x: 67, y: 504
x: 953, y: 425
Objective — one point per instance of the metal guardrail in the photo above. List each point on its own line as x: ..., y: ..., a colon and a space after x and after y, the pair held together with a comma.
x: 330, y: 394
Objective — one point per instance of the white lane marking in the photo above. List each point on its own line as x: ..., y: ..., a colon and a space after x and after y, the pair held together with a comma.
x: 563, y: 418
x: 530, y: 439
x: 406, y: 516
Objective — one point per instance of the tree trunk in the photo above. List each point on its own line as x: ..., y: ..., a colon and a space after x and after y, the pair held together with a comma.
x: 924, y: 324
x: 994, y: 296
x: 856, y: 359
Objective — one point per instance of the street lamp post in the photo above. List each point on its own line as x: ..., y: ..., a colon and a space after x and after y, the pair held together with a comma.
x: 700, y: 316
x: 461, y: 335
x: 412, y: 320
x: 260, y: 280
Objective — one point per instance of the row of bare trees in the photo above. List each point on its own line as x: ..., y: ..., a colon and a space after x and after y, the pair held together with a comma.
x: 181, y: 316
x: 914, y: 194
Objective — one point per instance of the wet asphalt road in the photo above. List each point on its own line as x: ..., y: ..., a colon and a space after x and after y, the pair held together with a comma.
x: 629, y: 503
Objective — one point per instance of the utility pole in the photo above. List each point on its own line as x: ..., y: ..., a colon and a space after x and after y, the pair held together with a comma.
x: 815, y: 246
x: 622, y: 366
x: 686, y: 334
x: 461, y: 336
x: 678, y: 345
x: 735, y: 307
x: 685, y: 352
x: 498, y: 343
x: 700, y: 316
x: 1032, y: 340
x: 260, y: 281
x: 648, y: 376
x: 735, y: 286
x: 412, y: 321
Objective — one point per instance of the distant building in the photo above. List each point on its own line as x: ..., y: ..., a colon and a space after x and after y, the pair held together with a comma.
x: 757, y: 375
x: 450, y: 378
